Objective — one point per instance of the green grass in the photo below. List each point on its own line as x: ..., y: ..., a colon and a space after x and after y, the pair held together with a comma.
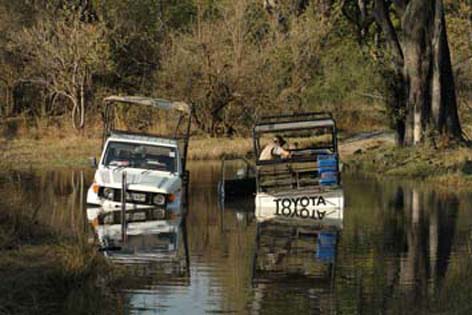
x: 447, y: 167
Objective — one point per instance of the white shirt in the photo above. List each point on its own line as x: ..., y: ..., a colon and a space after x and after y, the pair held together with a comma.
x: 270, y: 151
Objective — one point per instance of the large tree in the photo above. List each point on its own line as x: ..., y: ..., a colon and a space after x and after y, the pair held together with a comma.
x: 422, y: 97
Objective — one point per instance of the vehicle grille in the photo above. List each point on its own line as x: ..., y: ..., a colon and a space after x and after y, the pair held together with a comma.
x: 130, y: 196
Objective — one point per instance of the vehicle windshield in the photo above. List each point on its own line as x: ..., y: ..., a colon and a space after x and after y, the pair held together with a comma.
x: 137, y: 155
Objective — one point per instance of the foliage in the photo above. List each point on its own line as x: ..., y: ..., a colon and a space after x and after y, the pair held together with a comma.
x: 135, y: 31
x: 234, y: 60
x: 235, y: 64
x: 64, y: 53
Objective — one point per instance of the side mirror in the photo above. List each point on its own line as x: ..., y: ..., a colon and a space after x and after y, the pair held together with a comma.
x: 93, y: 162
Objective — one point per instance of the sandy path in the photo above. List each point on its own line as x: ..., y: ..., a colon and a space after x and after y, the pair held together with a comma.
x: 365, y: 141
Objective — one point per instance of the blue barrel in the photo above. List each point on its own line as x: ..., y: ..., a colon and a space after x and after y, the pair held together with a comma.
x: 326, y: 247
x: 327, y: 168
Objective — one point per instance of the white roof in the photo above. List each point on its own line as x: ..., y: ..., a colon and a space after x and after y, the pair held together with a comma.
x: 158, y: 103
x: 142, y: 138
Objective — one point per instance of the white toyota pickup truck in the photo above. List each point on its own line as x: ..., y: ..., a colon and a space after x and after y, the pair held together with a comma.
x: 139, y: 171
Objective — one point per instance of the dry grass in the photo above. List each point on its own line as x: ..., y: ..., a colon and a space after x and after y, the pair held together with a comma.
x: 40, y: 279
x: 216, y: 148
x: 372, y: 153
x: 74, y: 150
x: 48, y: 152
x: 53, y: 143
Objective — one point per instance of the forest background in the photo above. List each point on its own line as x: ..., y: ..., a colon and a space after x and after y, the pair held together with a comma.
x: 233, y: 60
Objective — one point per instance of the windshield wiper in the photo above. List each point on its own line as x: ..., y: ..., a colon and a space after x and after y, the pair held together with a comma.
x: 120, y: 167
x: 147, y: 170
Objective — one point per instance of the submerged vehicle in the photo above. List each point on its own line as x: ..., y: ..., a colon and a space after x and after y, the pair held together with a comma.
x: 139, y: 170
x: 304, y: 183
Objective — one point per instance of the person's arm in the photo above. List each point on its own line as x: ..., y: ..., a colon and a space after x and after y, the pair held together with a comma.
x: 281, y: 152
x: 285, y: 154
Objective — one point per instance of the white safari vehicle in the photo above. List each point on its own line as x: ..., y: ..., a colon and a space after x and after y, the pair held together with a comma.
x: 304, y: 186
x: 139, y: 171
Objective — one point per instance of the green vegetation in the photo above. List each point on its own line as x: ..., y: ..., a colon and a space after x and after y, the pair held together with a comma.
x: 450, y: 167
x: 234, y: 61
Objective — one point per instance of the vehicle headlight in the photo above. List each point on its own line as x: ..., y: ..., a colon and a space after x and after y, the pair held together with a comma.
x: 159, y: 199
x: 108, y: 193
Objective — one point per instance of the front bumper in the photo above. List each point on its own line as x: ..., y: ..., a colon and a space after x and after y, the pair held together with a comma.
x: 93, y: 200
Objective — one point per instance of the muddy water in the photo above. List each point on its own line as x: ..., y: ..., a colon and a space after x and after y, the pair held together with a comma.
x: 405, y: 248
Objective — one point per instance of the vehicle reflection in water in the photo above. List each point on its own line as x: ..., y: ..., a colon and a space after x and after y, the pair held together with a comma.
x: 298, y: 262
x: 154, y: 253
x: 145, y: 239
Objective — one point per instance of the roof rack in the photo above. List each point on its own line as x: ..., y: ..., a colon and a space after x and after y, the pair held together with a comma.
x: 309, y: 116
x: 158, y: 103
x: 143, y: 134
x: 300, y: 121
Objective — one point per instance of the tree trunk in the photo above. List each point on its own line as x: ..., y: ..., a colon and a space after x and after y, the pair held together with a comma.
x: 82, y: 104
x: 431, y: 99
x: 444, y: 102
x: 422, y: 101
x: 9, y: 101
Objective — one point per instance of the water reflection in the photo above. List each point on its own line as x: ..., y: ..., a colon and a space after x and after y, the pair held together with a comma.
x: 397, y: 245
x: 53, y: 198
x: 294, y: 269
x: 404, y: 248
x: 291, y: 251
x: 154, y: 252
x: 143, y: 240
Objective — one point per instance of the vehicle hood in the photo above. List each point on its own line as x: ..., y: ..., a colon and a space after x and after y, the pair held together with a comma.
x: 139, y: 180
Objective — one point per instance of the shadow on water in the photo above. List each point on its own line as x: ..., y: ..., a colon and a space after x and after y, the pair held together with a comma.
x: 404, y: 248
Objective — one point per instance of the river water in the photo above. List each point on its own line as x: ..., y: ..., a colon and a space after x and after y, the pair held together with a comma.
x: 405, y: 248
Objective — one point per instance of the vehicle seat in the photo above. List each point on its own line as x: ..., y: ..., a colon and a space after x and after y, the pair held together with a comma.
x: 124, y: 155
x: 111, y: 156
x: 169, y: 162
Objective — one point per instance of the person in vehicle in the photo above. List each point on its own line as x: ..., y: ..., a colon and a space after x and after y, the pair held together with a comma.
x: 275, y: 150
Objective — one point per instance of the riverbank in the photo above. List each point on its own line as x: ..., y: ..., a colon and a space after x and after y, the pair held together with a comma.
x: 449, y: 167
x: 45, y: 273
x: 371, y: 153
x: 75, y: 150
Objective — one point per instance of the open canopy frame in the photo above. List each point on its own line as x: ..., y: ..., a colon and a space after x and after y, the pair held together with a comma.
x: 182, y: 127
x: 294, y: 122
x: 157, y: 103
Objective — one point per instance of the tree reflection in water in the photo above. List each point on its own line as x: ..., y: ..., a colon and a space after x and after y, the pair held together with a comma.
x: 396, y: 252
